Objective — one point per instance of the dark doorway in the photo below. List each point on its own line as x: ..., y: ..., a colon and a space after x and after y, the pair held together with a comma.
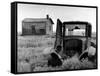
x: 33, y: 30
x: 38, y: 31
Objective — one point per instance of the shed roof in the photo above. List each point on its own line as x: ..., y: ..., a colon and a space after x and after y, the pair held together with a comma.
x: 37, y: 20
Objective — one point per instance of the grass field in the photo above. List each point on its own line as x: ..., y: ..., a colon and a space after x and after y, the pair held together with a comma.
x: 31, y: 57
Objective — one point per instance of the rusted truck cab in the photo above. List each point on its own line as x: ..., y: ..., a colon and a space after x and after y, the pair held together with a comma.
x: 73, y: 36
x: 76, y: 37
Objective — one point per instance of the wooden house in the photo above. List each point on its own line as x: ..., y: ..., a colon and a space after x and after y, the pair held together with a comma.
x: 37, y: 26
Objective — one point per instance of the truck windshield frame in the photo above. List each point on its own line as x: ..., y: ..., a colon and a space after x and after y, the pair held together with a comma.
x: 87, y: 28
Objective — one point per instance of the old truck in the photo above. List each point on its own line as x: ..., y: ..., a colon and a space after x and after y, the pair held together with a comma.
x: 73, y: 39
x: 73, y: 36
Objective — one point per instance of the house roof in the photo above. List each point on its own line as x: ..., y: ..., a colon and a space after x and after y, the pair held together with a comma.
x: 37, y: 20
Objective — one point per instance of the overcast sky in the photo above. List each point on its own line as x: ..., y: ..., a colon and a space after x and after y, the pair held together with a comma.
x: 64, y: 13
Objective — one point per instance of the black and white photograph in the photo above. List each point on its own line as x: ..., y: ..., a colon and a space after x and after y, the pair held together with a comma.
x: 56, y: 37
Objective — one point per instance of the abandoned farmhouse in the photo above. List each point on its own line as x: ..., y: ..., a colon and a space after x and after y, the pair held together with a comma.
x: 37, y: 26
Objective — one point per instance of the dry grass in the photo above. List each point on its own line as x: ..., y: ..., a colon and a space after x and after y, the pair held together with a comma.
x: 74, y: 63
x: 31, y: 57
x: 30, y: 52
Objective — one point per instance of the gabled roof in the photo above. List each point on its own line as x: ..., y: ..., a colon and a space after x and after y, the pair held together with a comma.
x: 51, y: 20
x: 37, y: 20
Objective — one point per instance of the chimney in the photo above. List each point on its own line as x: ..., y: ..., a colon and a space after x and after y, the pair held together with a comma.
x: 47, y: 16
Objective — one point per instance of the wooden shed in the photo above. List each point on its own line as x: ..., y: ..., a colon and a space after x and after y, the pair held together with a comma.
x: 37, y: 26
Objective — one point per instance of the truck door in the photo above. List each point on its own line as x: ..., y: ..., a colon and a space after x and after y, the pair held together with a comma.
x: 58, y: 33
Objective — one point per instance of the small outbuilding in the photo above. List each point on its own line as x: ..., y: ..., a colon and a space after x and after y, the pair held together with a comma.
x: 37, y: 26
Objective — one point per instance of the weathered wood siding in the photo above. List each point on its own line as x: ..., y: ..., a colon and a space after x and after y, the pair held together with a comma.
x: 37, y: 27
